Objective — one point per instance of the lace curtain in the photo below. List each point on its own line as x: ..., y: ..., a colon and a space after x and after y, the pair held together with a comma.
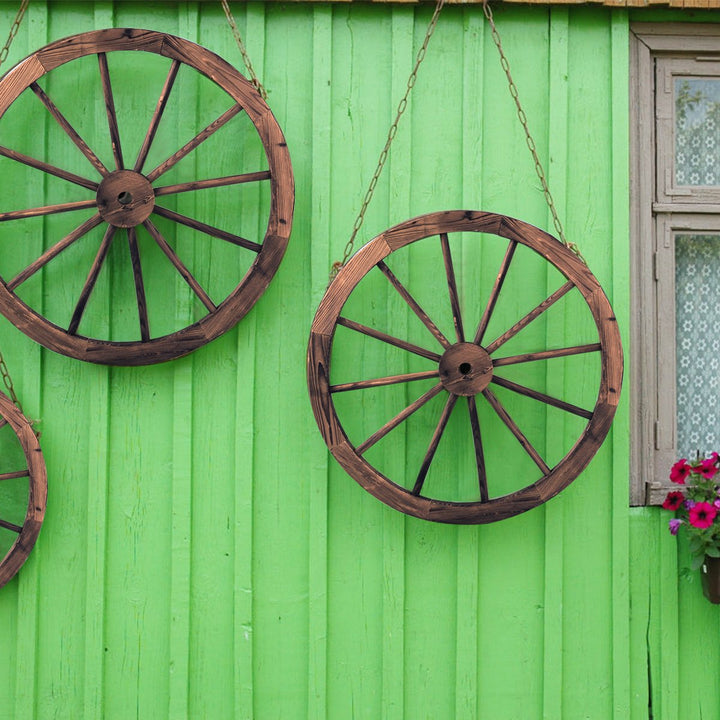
x: 697, y: 334
x: 697, y: 272
x: 697, y: 131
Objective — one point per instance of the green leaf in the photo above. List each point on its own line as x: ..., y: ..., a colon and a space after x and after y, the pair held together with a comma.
x: 712, y: 551
x: 697, y: 562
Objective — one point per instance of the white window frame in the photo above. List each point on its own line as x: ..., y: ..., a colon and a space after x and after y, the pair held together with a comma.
x: 658, y: 209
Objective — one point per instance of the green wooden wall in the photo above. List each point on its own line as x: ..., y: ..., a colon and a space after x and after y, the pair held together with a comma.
x: 202, y: 556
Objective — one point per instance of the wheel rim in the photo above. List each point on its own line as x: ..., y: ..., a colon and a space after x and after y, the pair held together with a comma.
x: 132, y: 201
x: 30, y: 480
x: 466, y: 367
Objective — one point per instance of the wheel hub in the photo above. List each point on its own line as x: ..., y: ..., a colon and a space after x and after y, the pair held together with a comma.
x: 465, y: 369
x: 125, y: 198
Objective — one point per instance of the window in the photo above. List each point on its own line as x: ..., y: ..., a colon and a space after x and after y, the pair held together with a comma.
x: 675, y: 227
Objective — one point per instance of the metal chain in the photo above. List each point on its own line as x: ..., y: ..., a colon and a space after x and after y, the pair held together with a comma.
x: 7, y: 380
x: 246, y: 58
x: 402, y: 106
x: 13, y: 30
x: 528, y: 137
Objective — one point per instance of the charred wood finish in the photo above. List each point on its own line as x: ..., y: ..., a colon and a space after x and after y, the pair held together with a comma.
x: 465, y: 369
x: 126, y: 198
x: 36, y: 474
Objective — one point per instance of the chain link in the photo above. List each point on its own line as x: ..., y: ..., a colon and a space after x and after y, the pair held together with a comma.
x: 402, y: 106
x: 241, y: 45
x: 13, y: 30
x: 7, y: 380
x: 528, y: 137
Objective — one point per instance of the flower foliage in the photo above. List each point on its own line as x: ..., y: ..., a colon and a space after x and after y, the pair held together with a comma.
x: 697, y: 505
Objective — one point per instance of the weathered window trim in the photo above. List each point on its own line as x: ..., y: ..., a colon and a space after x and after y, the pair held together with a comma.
x: 655, y: 214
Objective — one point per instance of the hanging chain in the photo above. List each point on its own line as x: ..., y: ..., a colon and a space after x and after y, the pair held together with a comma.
x: 13, y: 30
x: 241, y: 45
x: 7, y: 380
x: 402, y: 106
x: 528, y: 137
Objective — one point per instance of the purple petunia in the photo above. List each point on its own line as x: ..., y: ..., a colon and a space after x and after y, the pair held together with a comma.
x: 675, y: 526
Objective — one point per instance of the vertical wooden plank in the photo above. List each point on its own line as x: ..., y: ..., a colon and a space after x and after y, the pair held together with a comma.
x: 400, y: 181
x: 245, y: 446
x: 620, y: 114
x: 97, y: 489
x: 320, y: 231
x: 144, y: 513
x: 663, y: 629
x: 282, y: 417
x: 29, y: 598
x: 361, y: 47
x: 555, y: 162
x: 432, y: 562
x: 589, y: 501
x: 468, y: 554
x: 180, y: 680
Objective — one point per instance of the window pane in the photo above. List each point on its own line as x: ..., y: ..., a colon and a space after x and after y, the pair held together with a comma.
x: 697, y: 343
x: 697, y: 131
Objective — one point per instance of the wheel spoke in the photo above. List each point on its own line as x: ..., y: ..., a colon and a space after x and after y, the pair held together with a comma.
x: 10, y: 526
x: 180, y: 267
x: 434, y: 442
x: 207, y: 229
x: 157, y: 116
x: 47, y: 168
x: 452, y: 287
x: 371, y: 332
x: 214, y: 182
x: 379, y: 382
x: 547, y: 354
x: 110, y: 107
x: 547, y: 399
x: 515, y: 430
x: 139, y: 285
x: 55, y: 250
x: 479, y: 453
x: 495, y: 293
x: 71, y: 132
x: 47, y: 210
x: 192, y: 144
x: 91, y: 279
x: 13, y: 475
x: 518, y: 326
x: 400, y: 417
x: 425, y: 319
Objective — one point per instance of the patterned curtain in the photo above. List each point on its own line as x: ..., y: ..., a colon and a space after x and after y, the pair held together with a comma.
x: 697, y: 336
x: 697, y: 131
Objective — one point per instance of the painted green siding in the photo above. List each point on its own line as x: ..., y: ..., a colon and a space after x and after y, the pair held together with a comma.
x: 202, y: 556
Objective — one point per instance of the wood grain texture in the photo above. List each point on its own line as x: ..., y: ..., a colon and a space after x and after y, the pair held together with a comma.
x: 125, y: 198
x: 466, y: 369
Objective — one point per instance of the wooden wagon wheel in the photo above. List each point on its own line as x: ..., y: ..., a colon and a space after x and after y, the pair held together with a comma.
x: 123, y: 199
x: 28, y: 478
x: 466, y: 367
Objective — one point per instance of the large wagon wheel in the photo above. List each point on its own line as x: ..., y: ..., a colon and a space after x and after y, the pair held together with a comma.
x: 126, y: 199
x: 23, y: 482
x: 466, y: 367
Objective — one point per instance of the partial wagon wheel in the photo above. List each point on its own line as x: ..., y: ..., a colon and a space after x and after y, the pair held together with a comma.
x: 128, y: 196
x: 466, y: 368
x: 29, y: 478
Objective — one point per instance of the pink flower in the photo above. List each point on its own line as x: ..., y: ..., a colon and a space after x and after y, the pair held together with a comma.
x: 674, y: 500
x: 702, y: 515
x: 707, y: 468
x: 679, y: 471
x: 675, y: 526
x: 716, y: 503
